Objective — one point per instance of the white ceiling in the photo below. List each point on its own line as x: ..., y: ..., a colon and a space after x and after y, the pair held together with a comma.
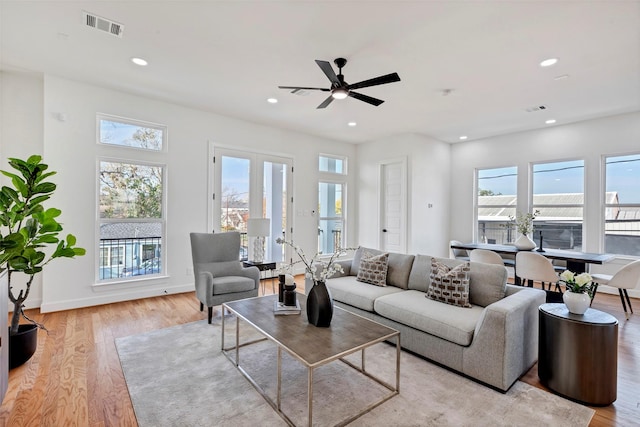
x: 228, y: 57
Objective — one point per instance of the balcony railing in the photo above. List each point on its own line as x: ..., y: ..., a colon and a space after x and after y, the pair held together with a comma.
x: 127, y: 257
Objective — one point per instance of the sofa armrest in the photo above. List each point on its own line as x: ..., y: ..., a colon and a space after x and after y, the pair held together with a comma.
x: 505, y: 342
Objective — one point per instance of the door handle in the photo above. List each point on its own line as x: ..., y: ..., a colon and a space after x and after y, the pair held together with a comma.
x: 384, y: 230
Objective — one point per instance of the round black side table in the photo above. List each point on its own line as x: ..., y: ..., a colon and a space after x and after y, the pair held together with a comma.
x: 578, y: 354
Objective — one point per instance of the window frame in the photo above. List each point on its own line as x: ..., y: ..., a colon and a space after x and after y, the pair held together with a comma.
x: 341, y: 178
x: 133, y: 122
x: 343, y: 159
x: 511, y: 234
x: 608, y: 206
x: 124, y: 154
x: 537, y: 223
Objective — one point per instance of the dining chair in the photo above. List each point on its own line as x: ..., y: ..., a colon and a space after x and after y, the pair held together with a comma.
x: 533, y: 267
x: 628, y: 277
x: 460, y: 254
x: 486, y: 256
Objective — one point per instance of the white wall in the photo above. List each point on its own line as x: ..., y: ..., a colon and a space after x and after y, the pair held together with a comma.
x: 428, y: 173
x: 21, y: 133
x: 69, y: 147
x: 588, y: 140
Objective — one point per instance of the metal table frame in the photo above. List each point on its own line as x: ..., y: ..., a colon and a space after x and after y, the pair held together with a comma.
x: 235, y: 349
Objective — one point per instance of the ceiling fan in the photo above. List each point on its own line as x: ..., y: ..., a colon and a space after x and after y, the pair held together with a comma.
x: 340, y: 89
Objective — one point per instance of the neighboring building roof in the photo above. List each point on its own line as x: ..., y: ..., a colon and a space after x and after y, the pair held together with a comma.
x: 130, y: 230
x: 488, y: 212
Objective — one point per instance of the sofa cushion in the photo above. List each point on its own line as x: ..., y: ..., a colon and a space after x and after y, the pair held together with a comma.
x: 399, y: 267
x: 411, y: 308
x: 373, y: 269
x: 357, y: 256
x: 449, y: 285
x: 399, y: 270
x: 487, y: 282
x: 420, y: 272
x: 348, y: 290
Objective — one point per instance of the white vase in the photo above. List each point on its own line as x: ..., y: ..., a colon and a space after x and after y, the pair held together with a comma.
x: 524, y: 243
x: 577, y: 303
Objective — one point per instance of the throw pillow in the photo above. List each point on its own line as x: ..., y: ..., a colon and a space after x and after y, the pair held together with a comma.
x: 449, y: 285
x: 373, y: 269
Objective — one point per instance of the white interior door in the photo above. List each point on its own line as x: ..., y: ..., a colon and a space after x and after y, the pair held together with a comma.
x: 393, y: 206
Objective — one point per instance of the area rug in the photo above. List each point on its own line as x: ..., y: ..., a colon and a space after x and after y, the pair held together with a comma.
x: 178, y: 377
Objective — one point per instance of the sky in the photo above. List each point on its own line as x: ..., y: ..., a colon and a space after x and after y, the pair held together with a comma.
x: 623, y: 176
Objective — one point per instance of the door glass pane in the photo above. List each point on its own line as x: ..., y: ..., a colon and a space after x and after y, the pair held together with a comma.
x: 274, y: 207
x: 234, y: 199
x: 331, y: 223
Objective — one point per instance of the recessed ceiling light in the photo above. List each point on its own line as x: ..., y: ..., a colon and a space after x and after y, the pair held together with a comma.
x: 463, y: 137
x: 352, y: 124
x: 139, y: 61
x: 548, y: 62
x: 272, y: 100
x: 550, y: 121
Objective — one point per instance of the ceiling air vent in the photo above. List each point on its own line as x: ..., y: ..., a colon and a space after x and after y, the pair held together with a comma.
x: 102, y: 24
x: 536, y: 108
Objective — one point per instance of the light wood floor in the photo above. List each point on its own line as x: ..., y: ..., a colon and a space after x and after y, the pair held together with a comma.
x: 75, y: 378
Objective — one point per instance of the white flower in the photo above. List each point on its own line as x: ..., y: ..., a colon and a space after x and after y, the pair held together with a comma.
x: 567, y: 276
x: 583, y: 279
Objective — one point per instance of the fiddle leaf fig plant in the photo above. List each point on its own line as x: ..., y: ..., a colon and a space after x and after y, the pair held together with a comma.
x: 29, y: 233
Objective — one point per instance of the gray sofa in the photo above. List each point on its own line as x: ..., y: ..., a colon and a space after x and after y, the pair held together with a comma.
x: 495, y: 341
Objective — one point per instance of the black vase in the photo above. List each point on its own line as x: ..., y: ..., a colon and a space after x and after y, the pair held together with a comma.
x: 319, y: 305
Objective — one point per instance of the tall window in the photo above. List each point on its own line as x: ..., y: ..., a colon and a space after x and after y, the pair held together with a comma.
x: 558, y: 194
x: 331, y: 202
x: 496, y: 200
x: 622, y: 205
x: 130, y: 204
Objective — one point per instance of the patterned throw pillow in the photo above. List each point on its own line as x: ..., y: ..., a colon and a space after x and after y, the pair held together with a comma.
x: 448, y: 285
x: 373, y: 269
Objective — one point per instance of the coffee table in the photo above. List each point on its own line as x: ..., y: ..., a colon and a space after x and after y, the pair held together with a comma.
x: 312, y: 346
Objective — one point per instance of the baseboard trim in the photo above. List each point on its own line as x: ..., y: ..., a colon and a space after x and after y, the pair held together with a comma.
x: 111, y: 298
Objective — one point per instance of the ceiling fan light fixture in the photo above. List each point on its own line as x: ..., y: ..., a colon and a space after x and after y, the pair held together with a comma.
x: 339, y: 93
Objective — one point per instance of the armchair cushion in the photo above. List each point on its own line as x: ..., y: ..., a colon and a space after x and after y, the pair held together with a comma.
x: 232, y: 284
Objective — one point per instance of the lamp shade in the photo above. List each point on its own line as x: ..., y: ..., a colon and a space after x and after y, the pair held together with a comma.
x: 257, y: 227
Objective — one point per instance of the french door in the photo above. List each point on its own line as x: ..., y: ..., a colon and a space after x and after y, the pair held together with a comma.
x: 252, y: 185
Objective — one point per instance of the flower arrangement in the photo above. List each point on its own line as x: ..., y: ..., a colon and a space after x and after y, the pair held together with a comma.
x: 315, y: 268
x: 579, y: 284
x: 523, y: 222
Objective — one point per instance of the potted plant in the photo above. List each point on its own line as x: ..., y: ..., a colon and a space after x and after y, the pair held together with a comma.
x: 579, y: 291
x: 524, y: 225
x: 28, y: 241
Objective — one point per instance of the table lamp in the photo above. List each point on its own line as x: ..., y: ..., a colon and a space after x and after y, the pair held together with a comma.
x: 258, y: 228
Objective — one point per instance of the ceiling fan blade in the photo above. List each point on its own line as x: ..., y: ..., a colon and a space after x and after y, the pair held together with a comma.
x: 304, y: 88
x: 328, y: 71
x: 389, y: 78
x: 326, y: 102
x: 365, y: 98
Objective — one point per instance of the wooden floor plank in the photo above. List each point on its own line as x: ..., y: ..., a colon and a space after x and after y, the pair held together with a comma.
x: 75, y: 377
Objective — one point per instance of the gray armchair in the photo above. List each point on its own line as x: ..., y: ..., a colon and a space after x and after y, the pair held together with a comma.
x: 219, y: 275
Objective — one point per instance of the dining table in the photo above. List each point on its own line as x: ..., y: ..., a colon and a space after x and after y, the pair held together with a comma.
x: 576, y: 261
